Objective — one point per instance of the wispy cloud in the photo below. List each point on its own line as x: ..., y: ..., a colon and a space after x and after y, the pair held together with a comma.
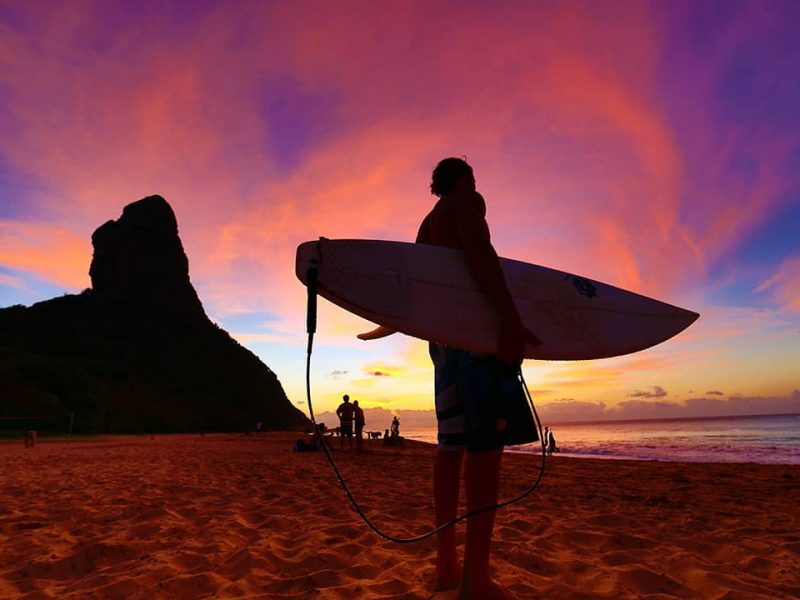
x: 784, y: 284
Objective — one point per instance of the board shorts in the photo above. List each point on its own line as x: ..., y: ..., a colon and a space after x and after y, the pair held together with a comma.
x: 473, y: 391
x: 346, y: 428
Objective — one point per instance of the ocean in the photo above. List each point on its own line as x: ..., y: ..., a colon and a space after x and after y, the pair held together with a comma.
x: 766, y: 439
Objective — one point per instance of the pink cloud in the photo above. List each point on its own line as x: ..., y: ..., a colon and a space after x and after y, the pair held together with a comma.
x: 784, y: 284
x: 585, y: 164
x: 52, y: 253
x: 183, y: 121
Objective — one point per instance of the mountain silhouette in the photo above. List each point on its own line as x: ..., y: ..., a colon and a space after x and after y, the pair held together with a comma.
x: 135, y: 352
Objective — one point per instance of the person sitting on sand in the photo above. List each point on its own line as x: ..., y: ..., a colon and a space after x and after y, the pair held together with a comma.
x: 315, y: 444
x: 345, y: 413
x: 359, y: 423
x: 463, y: 378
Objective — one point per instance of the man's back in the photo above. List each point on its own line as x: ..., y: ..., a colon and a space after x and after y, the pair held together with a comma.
x: 345, y: 411
x: 456, y: 221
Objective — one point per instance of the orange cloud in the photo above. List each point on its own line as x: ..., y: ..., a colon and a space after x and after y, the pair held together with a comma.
x: 53, y: 253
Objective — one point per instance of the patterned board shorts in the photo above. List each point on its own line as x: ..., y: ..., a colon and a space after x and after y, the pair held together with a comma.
x: 473, y: 392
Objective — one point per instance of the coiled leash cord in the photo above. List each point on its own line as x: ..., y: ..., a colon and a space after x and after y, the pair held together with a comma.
x: 311, y: 328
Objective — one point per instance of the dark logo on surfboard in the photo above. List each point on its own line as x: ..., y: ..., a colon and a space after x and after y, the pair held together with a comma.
x: 584, y: 286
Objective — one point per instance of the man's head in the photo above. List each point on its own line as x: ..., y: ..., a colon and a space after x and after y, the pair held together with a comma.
x: 346, y: 398
x: 451, y: 175
x: 355, y: 402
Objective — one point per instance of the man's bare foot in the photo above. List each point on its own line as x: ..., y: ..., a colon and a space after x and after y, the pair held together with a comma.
x: 448, y: 574
x: 484, y: 590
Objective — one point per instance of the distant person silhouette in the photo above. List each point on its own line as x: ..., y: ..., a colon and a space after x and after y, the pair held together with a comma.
x: 345, y: 413
x: 466, y: 379
x: 359, y: 423
x: 551, y: 445
x: 395, y: 427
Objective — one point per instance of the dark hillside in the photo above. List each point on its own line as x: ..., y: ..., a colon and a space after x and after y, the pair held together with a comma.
x: 136, y: 353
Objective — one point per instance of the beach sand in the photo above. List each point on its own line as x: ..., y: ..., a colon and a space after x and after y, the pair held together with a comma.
x: 233, y: 516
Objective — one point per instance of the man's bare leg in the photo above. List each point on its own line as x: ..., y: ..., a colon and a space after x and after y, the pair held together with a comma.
x: 446, y: 479
x: 482, y: 483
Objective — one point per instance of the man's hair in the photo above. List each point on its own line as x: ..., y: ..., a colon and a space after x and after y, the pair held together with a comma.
x: 346, y: 397
x: 446, y: 173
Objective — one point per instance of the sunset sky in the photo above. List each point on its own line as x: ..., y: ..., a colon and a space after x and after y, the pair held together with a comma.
x: 654, y: 146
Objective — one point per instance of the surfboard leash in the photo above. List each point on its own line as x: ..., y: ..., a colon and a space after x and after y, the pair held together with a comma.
x: 311, y: 328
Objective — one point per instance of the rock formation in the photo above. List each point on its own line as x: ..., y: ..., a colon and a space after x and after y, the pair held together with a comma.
x: 139, y: 258
x: 136, y: 352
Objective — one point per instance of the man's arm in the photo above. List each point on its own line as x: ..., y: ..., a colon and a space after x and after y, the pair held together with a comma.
x: 482, y: 258
x: 484, y: 264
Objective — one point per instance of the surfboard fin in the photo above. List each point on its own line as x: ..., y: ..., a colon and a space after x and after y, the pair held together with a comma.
x: 379, y: 332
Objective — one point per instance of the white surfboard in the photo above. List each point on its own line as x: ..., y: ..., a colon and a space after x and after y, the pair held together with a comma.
x: 427, y: 292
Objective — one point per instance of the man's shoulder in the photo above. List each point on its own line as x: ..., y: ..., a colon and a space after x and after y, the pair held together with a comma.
x: 471, y: 203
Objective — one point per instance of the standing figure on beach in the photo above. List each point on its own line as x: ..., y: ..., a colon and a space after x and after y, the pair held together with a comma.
x: 360, y: 422
x: 395, y: 427
x: 345, y: 413
x: 551, y: 443
x: 466, y: 385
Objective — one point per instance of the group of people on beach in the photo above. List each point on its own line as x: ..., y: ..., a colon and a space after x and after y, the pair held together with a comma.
x: 351, y: 425
x: 353, y: 415
x: 350, y: 414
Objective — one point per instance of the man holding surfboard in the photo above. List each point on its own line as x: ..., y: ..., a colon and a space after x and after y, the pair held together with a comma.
x: 467, y: 384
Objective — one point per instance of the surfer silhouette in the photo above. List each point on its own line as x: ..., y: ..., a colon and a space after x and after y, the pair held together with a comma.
x: 467, y: 387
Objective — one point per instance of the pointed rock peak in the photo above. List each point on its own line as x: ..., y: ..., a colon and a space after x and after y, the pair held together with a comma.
x: 139, y: 260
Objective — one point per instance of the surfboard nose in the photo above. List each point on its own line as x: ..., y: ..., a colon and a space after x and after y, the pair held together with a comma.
x: 306, y: 253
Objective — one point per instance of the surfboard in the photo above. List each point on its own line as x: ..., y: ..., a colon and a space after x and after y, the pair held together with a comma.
x: 428, y: 292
